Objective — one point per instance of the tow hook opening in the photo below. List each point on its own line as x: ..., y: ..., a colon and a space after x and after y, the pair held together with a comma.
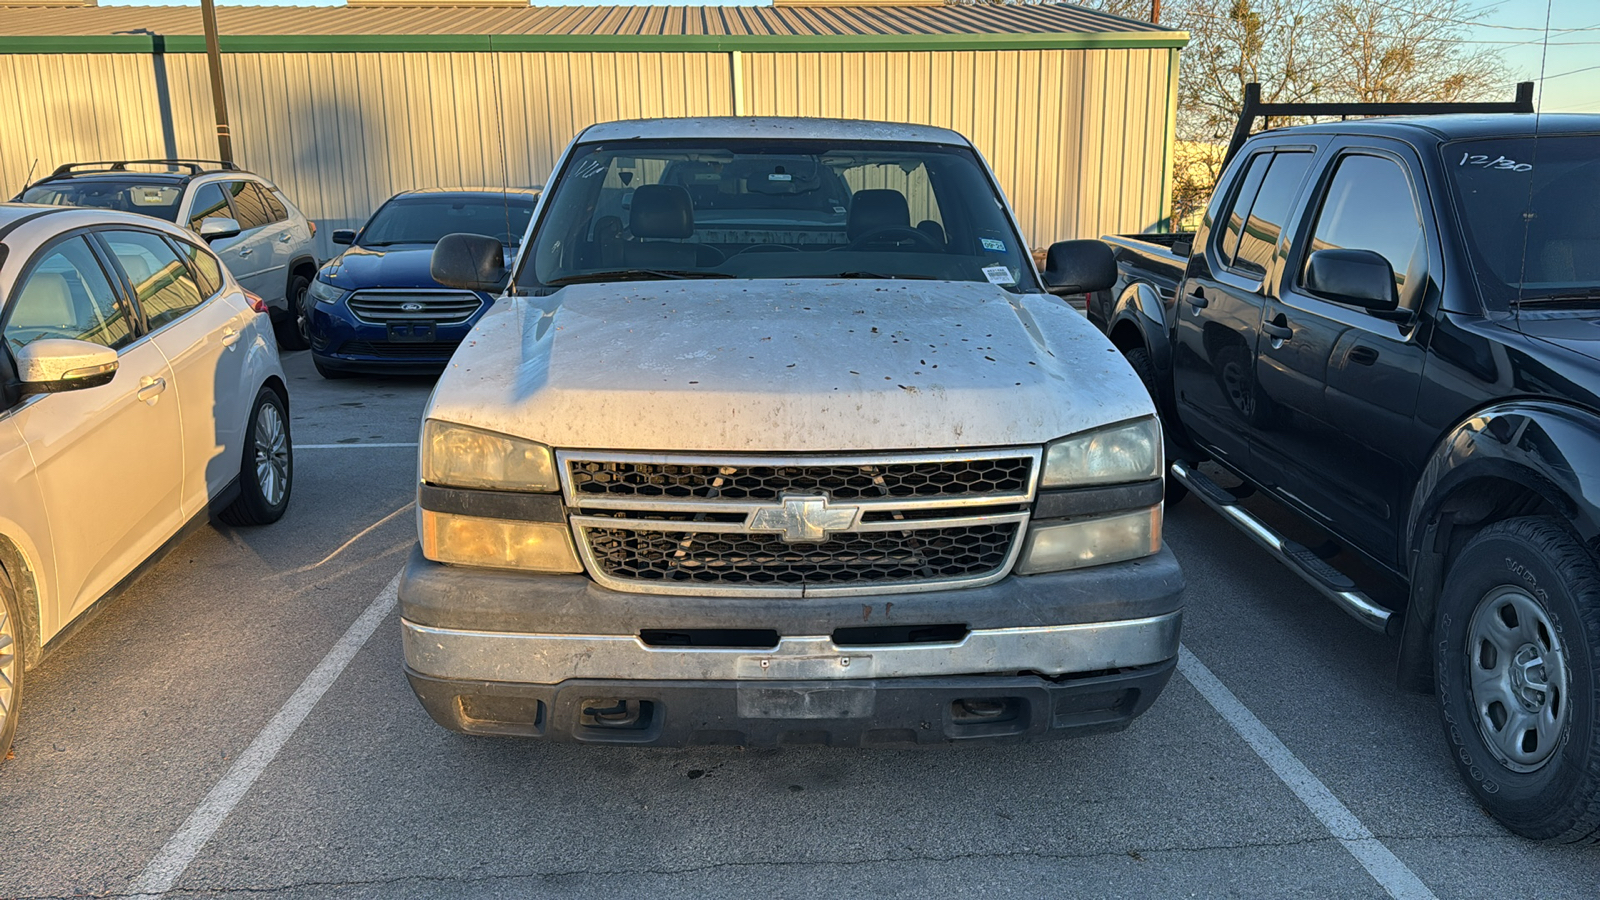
x: 617, y: 714
x: 985, y: 710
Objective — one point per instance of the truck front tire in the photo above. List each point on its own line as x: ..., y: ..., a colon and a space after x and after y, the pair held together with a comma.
x: 1516, y: 646
x: 1139, y: 359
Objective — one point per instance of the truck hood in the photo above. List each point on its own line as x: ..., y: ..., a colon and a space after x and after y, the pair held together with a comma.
x: 787, y: 366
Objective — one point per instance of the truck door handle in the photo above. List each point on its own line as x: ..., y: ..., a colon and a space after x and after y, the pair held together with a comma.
x: 1277, y: 332
x: 1197, y: 298
x: 150, y: 389
x: 229, y: 338
x: 1363, y: 356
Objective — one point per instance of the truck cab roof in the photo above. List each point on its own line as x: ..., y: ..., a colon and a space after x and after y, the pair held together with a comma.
x: 1455, y: 126
x: 771, y: 127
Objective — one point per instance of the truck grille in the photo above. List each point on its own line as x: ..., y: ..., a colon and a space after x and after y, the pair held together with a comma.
x: 442, y: 307
x: 798, y: 526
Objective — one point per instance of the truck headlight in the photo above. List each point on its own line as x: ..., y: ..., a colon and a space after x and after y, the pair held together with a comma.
x: 498, y: 543
x: 458, y: 456
x: 325, y: 293
x: 1078, y: 543
x: 1130, y: 451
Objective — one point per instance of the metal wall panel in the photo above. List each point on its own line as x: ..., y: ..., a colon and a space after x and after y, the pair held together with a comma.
x: 1076, y: 137
x: 339, y: 133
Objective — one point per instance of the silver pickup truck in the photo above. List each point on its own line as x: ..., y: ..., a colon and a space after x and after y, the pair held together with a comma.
x: 775, y: 435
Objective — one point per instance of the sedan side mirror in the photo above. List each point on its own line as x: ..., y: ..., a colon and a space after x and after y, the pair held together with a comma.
x: 344, y: 236
x: 471, y: 262
x: 53, y: 365
x: 1079, y: 267
x: 1359, y: 278
x: 218, y: 227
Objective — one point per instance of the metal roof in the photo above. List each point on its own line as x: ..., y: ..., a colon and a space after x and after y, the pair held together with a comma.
x: 177, y: 29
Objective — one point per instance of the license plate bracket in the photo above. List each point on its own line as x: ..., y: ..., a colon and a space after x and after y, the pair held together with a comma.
x: 413, y: 332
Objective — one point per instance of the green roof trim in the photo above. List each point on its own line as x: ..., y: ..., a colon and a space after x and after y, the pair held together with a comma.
x: 586, y: 43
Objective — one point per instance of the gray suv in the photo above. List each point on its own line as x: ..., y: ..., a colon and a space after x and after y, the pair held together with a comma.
x: 262, y: 238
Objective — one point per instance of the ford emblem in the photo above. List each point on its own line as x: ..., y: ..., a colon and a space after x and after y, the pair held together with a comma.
x: 411, y: 307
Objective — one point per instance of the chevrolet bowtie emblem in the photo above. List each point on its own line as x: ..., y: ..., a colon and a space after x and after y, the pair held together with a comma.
x: 803, y: 519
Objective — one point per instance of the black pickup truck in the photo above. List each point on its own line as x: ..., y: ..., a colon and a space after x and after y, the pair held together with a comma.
x: 1390, y: 327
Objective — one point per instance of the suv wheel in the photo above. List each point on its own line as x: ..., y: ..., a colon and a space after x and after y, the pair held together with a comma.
x: 10, y: 663
x: 1516, y: 647
x: 294, y: 331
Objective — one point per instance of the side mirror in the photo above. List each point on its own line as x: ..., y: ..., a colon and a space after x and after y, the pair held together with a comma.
x: 53, y: 365
x: 218, y: 227
x: 344, y: 236
x: 471, y: 262
x: 1359, y: 278
x: 1079, y: 267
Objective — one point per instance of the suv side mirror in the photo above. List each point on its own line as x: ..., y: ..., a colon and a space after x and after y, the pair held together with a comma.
x: 344, y: 236
x: 471, y: 262
x: 218, y: 227
x: 1079, y: 267
x: 1359, y: 278
x: 53, y: 365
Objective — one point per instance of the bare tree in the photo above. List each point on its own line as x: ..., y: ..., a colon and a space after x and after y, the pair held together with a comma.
x: 1390, y: 50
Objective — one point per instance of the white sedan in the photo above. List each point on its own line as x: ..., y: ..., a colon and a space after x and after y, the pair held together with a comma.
x: 121, y: 336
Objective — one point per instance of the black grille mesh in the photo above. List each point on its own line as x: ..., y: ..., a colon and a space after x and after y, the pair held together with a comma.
x: 955, y: 478
x: 755, y: 560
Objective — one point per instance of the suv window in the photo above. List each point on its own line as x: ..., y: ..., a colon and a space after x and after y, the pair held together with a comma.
x: 160, y: 280
x: 209, y: 202
x: 1259, y: 238
x: 67, y: 295
x: 1251, y: 184
x: 250, y: 205
x: 1369, y: 206
x: 274, y: 205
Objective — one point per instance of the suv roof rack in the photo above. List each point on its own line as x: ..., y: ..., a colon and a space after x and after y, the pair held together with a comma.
x: 1254, y: 109
x: 195, y: 166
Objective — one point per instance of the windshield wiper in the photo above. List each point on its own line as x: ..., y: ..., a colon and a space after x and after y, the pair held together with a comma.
x: 634, y: 275
x: 1576, y: 299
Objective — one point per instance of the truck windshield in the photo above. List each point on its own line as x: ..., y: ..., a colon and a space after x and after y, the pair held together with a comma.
x: 760, y: 209
x: 424, y: 220
x: 1530, y: 209
x: 159, y: 200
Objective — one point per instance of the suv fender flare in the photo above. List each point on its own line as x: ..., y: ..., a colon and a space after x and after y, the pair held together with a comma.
x: 1496, y: 462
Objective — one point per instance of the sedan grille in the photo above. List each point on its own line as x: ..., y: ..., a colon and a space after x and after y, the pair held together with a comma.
x: 443, y: 308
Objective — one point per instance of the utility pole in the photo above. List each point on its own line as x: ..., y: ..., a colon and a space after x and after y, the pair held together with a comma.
x: 1155, y: 12
x: 219, y: 101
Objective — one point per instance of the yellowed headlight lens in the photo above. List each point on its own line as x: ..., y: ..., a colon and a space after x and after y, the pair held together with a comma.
x: 498, y: 543
x: 1091, y: 542
x: 458, y: 456
x: 1127, y: 452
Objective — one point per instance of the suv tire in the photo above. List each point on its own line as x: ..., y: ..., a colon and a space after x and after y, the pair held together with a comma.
x: 293, y: 331
x: 1516, y: 651
x: 266, y: 466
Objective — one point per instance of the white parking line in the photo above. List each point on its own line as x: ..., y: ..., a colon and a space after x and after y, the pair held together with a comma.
x: 186, y: 843
x: 354, y: 444
x: 1392, y: 874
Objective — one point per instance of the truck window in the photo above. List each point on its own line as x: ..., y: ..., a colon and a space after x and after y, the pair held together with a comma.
x: 1242, y: 201
x: 1259, y: 238
x: 1369, y: 206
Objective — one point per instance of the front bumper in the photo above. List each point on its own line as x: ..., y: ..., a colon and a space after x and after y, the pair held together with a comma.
x: 1039, y: 656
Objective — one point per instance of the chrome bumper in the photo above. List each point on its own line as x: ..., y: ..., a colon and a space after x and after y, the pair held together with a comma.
x: 523, y: 658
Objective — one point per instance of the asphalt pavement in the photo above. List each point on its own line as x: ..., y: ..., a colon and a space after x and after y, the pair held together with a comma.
x: 228, y: 727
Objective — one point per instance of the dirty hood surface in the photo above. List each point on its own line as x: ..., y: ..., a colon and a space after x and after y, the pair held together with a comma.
x: 808, y: 365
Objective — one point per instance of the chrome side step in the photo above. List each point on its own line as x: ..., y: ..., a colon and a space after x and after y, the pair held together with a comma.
x: 1333, y: 584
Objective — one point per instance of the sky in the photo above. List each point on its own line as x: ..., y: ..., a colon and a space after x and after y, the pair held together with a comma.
x: 1569, y: 61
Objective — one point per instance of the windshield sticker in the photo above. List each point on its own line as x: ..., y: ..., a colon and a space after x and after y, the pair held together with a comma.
x: 1482, y: 161
x: 992, y: 244
x: 779, y: 176
x: 999, y: 275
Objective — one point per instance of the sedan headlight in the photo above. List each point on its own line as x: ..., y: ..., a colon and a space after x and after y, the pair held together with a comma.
x: 323, y: 292
x: 1121, y: 453
x: 462, y: 457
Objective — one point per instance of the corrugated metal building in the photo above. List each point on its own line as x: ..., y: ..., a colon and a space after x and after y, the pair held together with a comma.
x: 343, y: 106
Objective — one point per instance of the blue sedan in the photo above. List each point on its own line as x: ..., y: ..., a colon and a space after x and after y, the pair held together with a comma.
x: 376, y: 308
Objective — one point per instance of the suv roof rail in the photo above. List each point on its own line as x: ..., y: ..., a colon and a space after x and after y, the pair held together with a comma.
x: 195, y: 166
x: 1254, y: 109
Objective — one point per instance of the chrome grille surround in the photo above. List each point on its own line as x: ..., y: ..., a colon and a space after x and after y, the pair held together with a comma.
x: 698, y: 541
x: 378, y: 306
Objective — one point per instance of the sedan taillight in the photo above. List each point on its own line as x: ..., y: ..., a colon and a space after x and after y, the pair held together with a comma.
x: 256, y: 303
